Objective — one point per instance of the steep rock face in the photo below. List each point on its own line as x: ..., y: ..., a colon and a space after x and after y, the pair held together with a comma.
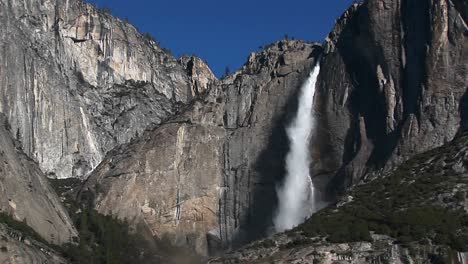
x: 208, y: 177
x: 166, y: 181
x: 25, y: 193
x: 76, y: 82
x: 260, y: 101
x: 200, y: 74
x: 393, y: 76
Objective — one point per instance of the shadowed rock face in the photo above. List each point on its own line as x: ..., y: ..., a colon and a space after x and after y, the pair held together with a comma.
x: 393, y: 75
x: 75, y: 82
x: 464, y: 111
x: 25, y: 193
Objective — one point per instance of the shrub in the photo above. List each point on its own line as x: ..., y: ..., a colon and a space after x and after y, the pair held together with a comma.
x: 103, y: 239
x: 21, y: 227
x: 399, y: 206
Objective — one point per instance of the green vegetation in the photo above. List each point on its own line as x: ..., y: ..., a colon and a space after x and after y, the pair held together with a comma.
x: 98, y: 188
x: 20, y: 226
x: 417, y: 202
x: 105, y: 10
x: 167, y: 51
x: 296, y: 243
x: 103, y: 239
x: 150, y: 38
x: 267, y: 243
x: 67, y: 189
x: 61, y: 186
x: 106, y: 239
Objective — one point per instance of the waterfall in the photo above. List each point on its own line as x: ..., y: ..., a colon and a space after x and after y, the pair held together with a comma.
x: 296, y: 194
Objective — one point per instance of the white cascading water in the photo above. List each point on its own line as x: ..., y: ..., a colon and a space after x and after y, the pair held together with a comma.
x: 296, y: 194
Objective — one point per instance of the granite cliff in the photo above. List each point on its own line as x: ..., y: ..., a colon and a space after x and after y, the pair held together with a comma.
x: 402, y: 73
x: 205, y: 178
x: 75, y: 82
x: 195, y: 161
x: 27, y: 201
x: 393, y: 79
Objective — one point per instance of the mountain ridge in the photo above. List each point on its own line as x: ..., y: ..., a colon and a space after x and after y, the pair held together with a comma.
x: 196, y: 160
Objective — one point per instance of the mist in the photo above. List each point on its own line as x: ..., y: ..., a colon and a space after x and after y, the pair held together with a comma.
x: 296, y: 193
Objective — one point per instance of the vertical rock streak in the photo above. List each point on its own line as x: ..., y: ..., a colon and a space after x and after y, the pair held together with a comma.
x: 295, y: 195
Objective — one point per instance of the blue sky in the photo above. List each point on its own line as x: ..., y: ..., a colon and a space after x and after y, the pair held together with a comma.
x: 224, y: 33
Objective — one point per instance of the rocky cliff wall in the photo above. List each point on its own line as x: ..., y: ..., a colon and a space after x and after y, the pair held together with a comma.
x: 26, y: 195
x: 75, y: 82
x: 207, y: 178
x: 393, y: 76
x: 392, y: 84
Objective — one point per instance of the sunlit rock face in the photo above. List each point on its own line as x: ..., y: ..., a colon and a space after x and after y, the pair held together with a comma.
x: 25, y: 193
x: 199, y: 73
x: 207, y: 178
x: 75, y: 82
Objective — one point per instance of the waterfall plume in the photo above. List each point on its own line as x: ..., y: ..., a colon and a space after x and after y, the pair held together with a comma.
x: 296, y: 194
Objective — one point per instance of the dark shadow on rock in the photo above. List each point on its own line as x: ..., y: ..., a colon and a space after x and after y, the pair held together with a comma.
x: 361, y: 57
x: 362, y: 54
x: 462, y: 8
x: 416, y: 26
x: 270, y: 171
x: 464, y: 112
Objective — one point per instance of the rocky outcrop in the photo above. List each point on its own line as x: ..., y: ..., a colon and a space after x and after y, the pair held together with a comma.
x: 208, y: 177
x: 14, y: 248
x: 25, y: 193
x: 200, y: 74
x: 75, y: 82
x: 393, y: 76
